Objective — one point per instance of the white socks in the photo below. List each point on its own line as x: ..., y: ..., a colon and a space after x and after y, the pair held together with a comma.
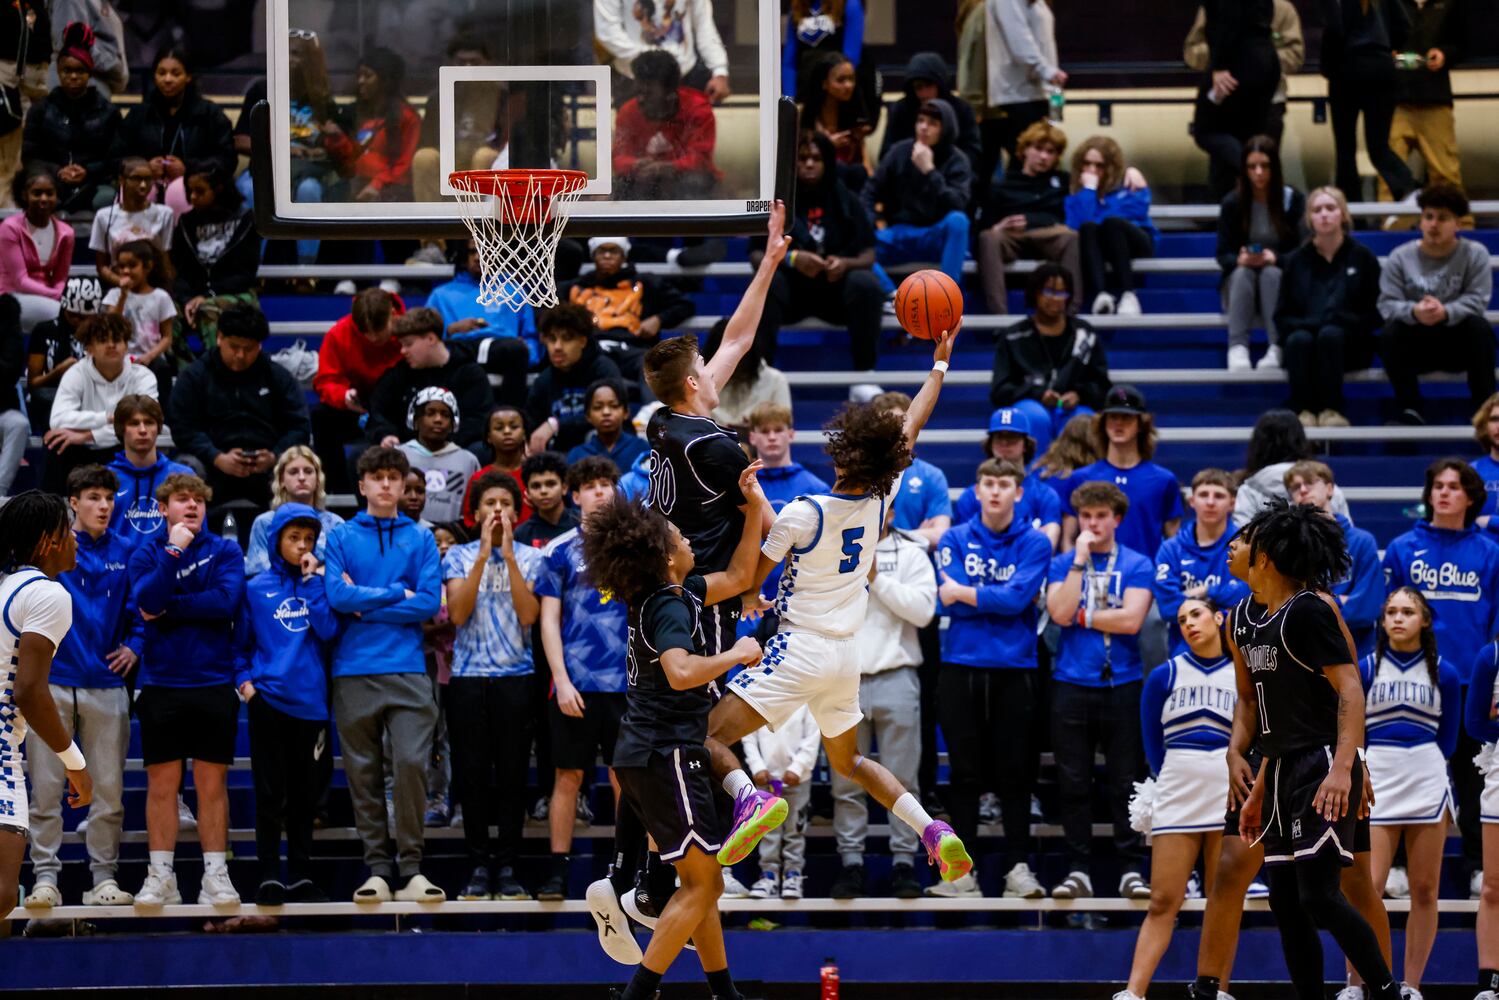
x: 908, y: 810
x: 161, y: 861
x: 736, y: 783
x: 215, y: 861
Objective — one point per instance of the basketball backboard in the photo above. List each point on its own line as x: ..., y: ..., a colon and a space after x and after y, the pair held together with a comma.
x: 494, y: 84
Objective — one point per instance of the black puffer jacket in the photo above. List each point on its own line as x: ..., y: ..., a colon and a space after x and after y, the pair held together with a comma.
x: 1023, y: 369
x: 61, y: 130
x: 214, y: 253
x: 199, y: 134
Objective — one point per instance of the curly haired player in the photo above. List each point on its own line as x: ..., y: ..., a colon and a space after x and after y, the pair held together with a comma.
x: 827, y: 541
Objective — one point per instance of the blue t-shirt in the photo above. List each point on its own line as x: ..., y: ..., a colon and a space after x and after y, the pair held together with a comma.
x: 492, y: 643
x: 1155, y: 497
x: 595, y: 628
x: 922, y: 496
x: 1488, y: 469
x: 1083, y: 652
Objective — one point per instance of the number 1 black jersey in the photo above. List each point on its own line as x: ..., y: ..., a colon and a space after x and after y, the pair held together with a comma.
x: 1286, y: 653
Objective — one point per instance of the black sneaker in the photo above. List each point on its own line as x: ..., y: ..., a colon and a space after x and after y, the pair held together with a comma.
x: 553, y: 889
x: 903, y: 884
x: 644, y: 903
x: 305, y: 890
x: 478, y: 885
x: 508, y: 887
x: 850, y: 883
x: 270, y: 893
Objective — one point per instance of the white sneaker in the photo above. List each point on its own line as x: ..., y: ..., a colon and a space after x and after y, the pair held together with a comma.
x: 966, y: 887
x: 159, y: 889
x: 1409, y: 992
x: 1257, y: 890
x: 1103, y: 304
x: 374, y: 890
x: 418, y: 889
x: 345, y: 287
x: 43, y: 896
x: 614, y: 927
x: 732, y: 887
x: 1475, y: 887
x: 1398, y: 885
x: 217, y: 890
x: 107, y: 893
x: 185, y: 818
x: 1127, y: 995
x: 1077, y: 885
x: 791, y: 886
x: 1238, y: 359
x: 1020, y: 883
x: 1271, y: 362
x: 767, y: 886
x: 1133, y: 886
x: 1351, y: 993
x: 1129, y: 304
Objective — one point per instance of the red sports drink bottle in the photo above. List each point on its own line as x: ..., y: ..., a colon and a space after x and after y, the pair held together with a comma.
x: 830, y: 980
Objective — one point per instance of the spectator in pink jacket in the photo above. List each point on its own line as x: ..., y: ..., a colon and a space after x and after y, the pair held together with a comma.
x: 35, y: 249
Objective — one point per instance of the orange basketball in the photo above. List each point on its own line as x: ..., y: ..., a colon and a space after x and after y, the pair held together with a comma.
x: 928, y: 303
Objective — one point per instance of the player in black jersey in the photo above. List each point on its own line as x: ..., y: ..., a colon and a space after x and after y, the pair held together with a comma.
x: 638, y: 556
x: 1300, y: 691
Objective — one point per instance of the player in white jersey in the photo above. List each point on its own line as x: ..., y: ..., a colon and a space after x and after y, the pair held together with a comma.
x: 36, y: 544
x: 828, y: 542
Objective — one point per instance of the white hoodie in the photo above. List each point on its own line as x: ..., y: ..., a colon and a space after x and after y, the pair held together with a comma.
x: 688, y: 32
x: 86, y: 400
x: 793, y: 747
x: 903, y: 598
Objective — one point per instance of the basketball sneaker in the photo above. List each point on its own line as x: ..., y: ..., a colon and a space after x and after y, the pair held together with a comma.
x: 946, y: 851
x: 637, y: 911
x: 966, y: 887
x: 791, y: 886
x: 1351, y: 993
x: 756, y: 813
x: 1021, y: 883
x: 217, y: 890
x: 614, y: 927
x: 1409, y: 992
x: 159, y: 889
x: 1487, y: 995
x: 1133, y: 886
x: 767, y: 886
x: 1398, y: 884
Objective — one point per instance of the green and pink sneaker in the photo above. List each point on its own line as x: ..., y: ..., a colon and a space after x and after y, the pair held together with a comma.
x: 946, y: 851
x: 756, y: 813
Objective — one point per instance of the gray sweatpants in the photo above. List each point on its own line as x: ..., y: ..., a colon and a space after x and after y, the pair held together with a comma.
x: 366, y: 709
x: 15, y: 430
x: 98, y: 719
x: 891, y: 703
x: 784, y: 849
x: 1249, y: 293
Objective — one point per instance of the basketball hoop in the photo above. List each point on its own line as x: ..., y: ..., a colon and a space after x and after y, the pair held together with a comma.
x: 516, y: 218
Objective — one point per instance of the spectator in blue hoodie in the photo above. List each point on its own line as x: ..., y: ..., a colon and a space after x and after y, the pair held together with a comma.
x: 605, y: 407
x: 1012, y: 438
x: 495, y: 330
x: 1193, y: 563
x: 490, y: 584
x: 88, y: 686
x: 1110, y: 208
x: 1361, y: 594
x: 991, y: 569
x: 140, y: 469
x: 283, y: 628
x: 382, y: 578
x: 637, y: 480
x: 1456, y: 568
x: 1098, y: 594
x: 187, y: 587
x: 1486, y: 433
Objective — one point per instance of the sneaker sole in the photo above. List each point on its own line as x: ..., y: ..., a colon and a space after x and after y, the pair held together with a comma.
x: 952, y: 858
x: 742, y: 839
x: 169, y: 901
x: 615, y: 938
x: 1036, y: 893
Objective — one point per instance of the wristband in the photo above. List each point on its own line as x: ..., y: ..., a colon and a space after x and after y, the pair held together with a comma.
x: 939, y: 366
x: 174, y: 551
x: 1082, y: 617
x: 72, y: 757
x: 1079, y: 567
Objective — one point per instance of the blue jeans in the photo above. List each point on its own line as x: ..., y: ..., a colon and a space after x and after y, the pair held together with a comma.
x: 947, y: 242
x: 1047, y: 422
x: 309, y: 189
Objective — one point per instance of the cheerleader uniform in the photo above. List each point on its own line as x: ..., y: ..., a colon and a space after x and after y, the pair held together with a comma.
x: 1186, y: 718
x: 1478, y: 719
x: 1410, y: 728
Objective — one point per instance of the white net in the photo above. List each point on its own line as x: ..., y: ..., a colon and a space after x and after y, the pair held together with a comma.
x: 516, y: 218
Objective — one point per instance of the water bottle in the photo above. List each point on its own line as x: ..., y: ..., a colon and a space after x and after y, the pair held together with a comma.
x: 1056, y: 101
x: 829, y: 979
x: 230, y: 528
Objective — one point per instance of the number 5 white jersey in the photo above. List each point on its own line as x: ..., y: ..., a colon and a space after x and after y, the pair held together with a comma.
x: 827, y: 541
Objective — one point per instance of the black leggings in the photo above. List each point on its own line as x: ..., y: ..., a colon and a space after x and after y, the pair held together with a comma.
x: 988, y: 720
x: 1366, y: 87
x: 1307, y: 895
x: 1113, y: 244
x: 285, y: 759
x: 490, y: 720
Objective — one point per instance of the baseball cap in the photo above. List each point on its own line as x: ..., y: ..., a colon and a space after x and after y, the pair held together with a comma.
x: 1009, y: 419
x: 1125, y: 399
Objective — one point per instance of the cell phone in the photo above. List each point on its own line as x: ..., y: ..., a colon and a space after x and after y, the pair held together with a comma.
x: 1255, y: 248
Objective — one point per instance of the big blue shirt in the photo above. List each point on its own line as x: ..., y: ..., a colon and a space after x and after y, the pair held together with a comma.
x: 195, y: 592
x: 103, y: 619
x: 458, y: 299
x: 1038, y: 505
x: 492, y: 643
x: 1155, y: 497
x: 1008, y: 570
x: 382, y: 627
x: 595, y: 628
x: 1083, y: 652
x: 1457, y: 571
x: 922, y: 496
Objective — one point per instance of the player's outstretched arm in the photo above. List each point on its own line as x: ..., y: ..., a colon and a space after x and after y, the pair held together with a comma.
x: 34, y: 699
x: 926, y: 400
x: 740, y: 333
x: 742, y: 572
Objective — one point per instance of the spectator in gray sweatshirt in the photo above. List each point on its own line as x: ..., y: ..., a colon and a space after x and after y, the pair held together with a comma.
x: 1432, y: 295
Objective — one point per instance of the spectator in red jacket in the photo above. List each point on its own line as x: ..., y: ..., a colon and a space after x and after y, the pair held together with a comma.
x: 664, y: 137
x: 377, y: 157
x: 354, y: 354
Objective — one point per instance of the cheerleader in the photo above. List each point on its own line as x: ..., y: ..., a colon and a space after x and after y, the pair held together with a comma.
x: 1481, y: 718
x: 1412, y: 707
x: 1186, y: 716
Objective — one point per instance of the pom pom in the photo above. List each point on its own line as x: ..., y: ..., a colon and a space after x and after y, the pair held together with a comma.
x: 1142, y: 806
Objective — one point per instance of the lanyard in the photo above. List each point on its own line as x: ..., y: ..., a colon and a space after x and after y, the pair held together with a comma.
x: 1090, y: 594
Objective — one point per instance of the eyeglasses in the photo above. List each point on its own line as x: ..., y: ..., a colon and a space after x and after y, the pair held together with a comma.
x: 1053, y: 293
x: 302, y: 34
